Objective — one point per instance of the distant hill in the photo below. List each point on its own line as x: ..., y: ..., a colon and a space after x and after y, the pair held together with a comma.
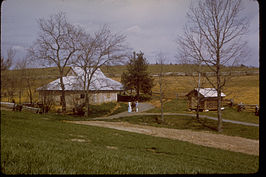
x: 187, y: 69
x: 51, y: 73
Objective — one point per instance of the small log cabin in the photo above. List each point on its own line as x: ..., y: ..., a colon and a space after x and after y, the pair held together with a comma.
x: 207, y: 99
x: 102, y: 89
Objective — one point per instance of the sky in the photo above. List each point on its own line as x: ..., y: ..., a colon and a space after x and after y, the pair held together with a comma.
x: 151, y: 26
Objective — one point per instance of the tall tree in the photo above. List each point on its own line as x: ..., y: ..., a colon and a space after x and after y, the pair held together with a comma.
x: 162, y: 82
x: 214, y: 36
x: 56, y: 45
x: 7, y: 79
x: 137, y: 77
x: 97, y: 50
x: 7, y: 63
x: 26, y: 78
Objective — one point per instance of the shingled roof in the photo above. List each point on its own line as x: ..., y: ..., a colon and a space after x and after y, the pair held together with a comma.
x: 209, y: 92
x: 99, y: 82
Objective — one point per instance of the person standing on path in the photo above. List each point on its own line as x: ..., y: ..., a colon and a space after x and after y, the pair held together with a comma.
x: 133, y: 106
x: 137, y: 106
x: 129, y: 107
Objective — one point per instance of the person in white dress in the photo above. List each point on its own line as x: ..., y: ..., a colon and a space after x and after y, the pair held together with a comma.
x: 129, y: 107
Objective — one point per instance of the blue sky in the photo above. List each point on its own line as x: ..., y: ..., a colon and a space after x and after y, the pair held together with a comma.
x: 151, y: 26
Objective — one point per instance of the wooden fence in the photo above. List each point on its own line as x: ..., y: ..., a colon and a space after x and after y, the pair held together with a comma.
x: 242, y: 107
x: 249, y: 108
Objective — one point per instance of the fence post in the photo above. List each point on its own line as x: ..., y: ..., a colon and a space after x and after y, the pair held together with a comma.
x: 257, y: 110
x: 231, y: 102
x: 240, y: 107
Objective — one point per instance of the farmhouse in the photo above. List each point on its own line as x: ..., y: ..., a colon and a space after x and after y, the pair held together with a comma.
x: 207, y: 99
x: 102, y: 89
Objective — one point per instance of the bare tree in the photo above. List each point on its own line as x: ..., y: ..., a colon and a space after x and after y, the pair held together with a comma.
x: 8, y: 82
x: 100, y: 49
x: 56, y: 45
x: 26, y: 77
x: 8, y: 85
x: 214, y: 36
x: 162, y: 82
x: 7, y: 63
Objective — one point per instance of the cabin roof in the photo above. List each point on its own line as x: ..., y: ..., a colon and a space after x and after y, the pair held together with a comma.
x: 207, y: 92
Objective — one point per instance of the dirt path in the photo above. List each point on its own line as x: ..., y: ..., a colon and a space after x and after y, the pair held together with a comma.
x: 204, y: 138
x: 147, y: 106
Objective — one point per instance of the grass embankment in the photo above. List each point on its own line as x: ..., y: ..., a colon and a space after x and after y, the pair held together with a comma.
x: 35, y: 144
x: 105, y: 109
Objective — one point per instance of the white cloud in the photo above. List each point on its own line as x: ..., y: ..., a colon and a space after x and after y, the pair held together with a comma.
x: 150, y: 25
x: 18, y: 48
x: 134, y: 29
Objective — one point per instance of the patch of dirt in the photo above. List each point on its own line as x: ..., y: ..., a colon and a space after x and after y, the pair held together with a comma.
x: 78, y: 140
x: 111, y: 147
x: 154, y: 150
x: 204, y: 138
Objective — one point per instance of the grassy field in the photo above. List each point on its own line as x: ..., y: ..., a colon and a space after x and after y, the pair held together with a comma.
x: 180, y: 106
x: 243, y: 89
x: 41, y: 144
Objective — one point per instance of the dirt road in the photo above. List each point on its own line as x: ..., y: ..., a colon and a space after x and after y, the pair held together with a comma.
x: 204, y: 138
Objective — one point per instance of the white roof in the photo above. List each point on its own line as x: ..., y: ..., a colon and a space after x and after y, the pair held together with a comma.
x: 98, y: 82
x: 80, y: 72
x: 209, y: 92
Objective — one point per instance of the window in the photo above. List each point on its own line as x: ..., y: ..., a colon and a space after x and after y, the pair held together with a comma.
x: 108, y: 95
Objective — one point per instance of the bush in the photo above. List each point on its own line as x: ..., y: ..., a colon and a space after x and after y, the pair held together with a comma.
x: 144, y: 97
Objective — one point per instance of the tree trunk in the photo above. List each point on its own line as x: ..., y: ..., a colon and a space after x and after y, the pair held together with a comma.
x: 219, y: 113
x: 63, y: 99
x: 87, y: 105
x: 197, y: 111
x: 30, y: 96
x: 29, y: 91
x: 138, y: 89
x: 19, y: 96
x: 198, y: 99
x: 161, y: 101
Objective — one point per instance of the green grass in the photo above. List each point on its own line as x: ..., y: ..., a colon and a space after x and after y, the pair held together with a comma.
x: 33, y: 144
x: 104, y: 109
x: 175, y: 105
x: 180, y: 106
